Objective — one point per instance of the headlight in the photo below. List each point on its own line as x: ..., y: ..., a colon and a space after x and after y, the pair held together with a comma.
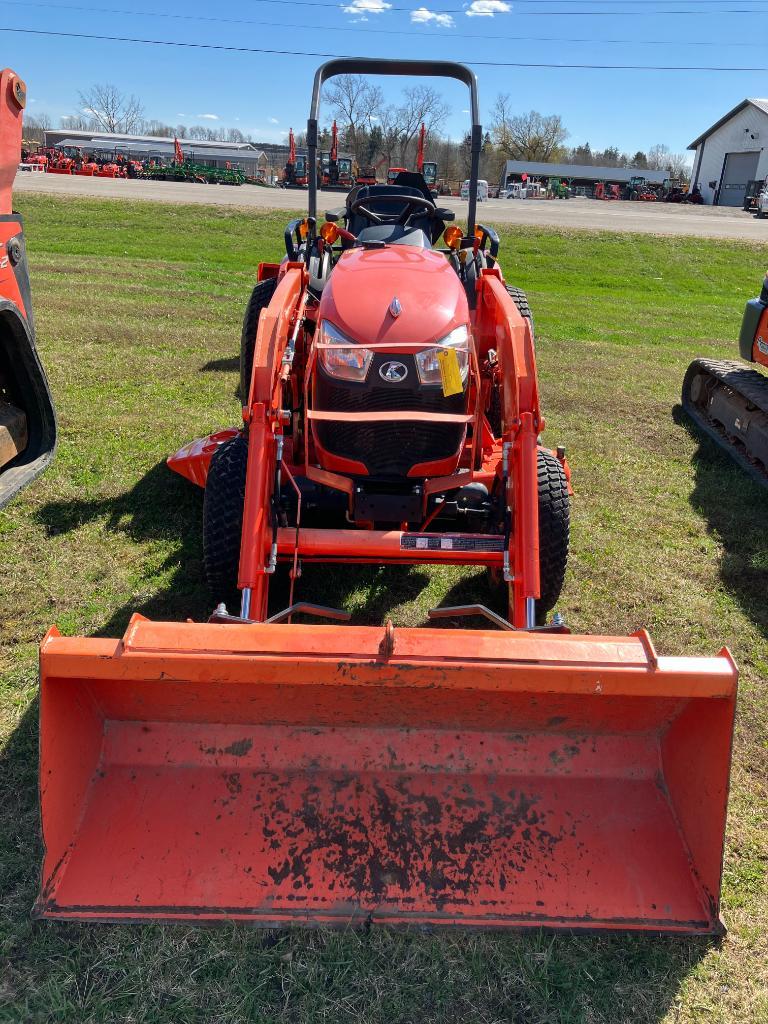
x: 348, y: 363
x: 427, y: 362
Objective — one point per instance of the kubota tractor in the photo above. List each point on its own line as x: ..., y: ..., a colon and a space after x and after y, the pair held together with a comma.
x: 27, y: 420
x: 729, y: 401
x: 254, y: 768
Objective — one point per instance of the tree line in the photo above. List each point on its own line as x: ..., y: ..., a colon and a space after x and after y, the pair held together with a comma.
x: 376, y: 132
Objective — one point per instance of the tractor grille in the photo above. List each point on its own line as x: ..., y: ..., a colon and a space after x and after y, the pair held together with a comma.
x: 388, y: 449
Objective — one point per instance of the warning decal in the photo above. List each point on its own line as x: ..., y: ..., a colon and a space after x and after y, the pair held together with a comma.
x: 449, y: 542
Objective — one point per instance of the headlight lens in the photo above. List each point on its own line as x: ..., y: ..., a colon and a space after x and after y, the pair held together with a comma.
x: 427, y: 361
x: 347, y: 363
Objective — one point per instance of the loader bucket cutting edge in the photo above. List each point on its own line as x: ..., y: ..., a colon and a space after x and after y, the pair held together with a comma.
x: 277, y: 774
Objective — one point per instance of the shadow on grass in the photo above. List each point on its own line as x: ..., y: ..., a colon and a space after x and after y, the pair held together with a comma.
x: 734, y: 506
x: 221, y: 365
x: 161, y: 507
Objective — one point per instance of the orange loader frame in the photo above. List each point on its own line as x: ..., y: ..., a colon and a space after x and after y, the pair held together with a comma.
x: 498, y: 324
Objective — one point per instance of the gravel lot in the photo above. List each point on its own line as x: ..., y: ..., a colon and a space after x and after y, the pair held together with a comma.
x: 646, y: 218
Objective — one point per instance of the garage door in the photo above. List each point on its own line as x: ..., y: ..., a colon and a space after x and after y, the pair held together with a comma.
x: 740, y: 169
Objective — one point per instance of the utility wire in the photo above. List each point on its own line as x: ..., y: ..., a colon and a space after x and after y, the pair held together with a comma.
x: 642, y: 9
x: 309, y: 53
x: 398, y: 32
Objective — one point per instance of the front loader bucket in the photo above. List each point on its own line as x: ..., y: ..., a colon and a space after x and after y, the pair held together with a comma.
x: 317, y: 774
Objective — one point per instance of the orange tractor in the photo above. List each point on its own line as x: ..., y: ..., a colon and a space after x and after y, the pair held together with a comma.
x: 258, y: 769
x: 27, y: 418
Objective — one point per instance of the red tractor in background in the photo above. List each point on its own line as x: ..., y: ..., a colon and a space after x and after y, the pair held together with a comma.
x: 335, y: 171
x: 295, y: 172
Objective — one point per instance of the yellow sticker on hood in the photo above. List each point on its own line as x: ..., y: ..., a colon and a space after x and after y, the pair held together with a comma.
x: 450, y: 374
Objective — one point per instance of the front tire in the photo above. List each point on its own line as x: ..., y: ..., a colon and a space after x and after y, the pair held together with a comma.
x: 223, y: 520
x: 493, y: 415
x: 261, y: 296
x: 554, y: 531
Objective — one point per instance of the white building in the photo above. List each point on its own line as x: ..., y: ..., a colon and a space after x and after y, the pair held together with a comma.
x: 732, y: 153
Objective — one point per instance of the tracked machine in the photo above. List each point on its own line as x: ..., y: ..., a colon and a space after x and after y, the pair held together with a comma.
x: 27, y: 419
x: 258, y: 768
x: 729, y: 401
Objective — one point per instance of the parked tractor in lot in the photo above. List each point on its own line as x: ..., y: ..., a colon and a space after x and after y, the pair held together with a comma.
x: 251, y: 768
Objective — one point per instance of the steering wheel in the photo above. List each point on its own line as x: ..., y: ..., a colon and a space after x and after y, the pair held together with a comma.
x: 414, y: 204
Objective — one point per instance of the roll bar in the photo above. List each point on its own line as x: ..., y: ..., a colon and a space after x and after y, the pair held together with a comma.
x: 418, y: 68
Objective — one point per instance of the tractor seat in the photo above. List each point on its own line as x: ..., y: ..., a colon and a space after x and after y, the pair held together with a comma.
x: 391, y: 211
x: 395, y: 234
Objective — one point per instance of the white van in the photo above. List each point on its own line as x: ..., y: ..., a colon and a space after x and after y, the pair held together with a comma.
x: 517, y: 190
x: 482, y: 190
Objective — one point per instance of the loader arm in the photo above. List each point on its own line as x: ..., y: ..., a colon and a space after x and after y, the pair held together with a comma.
x: 264, y: 425
x: 500, y: 326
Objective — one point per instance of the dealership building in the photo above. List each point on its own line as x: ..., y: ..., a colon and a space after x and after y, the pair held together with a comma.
x: 732, y: 153
x: 241, y: 155
x: 577, y: 175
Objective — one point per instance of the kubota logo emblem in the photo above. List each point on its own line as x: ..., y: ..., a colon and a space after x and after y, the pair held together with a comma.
x: 393, y: 372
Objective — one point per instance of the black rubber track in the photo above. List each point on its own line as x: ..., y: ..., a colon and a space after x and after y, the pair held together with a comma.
x: 223, y: 520
x: 554, y: 531
x: 520, y: 299
x: 261, y: 296
x: 749, y: 383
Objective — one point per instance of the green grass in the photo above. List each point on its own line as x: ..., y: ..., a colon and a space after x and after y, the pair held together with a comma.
x: 138, y: 313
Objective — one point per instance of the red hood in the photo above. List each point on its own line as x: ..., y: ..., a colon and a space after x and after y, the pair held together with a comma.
x: 365, y: 281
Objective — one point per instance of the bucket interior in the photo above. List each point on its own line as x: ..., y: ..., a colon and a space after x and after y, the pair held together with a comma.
x: 272, y: 803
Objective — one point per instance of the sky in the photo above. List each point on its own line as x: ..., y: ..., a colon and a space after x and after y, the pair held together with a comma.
x: 263, y: 94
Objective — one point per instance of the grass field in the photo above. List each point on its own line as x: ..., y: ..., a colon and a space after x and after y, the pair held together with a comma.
x: 138, y: 314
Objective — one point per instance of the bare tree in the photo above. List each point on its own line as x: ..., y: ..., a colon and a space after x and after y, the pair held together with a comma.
x: 235, y: 135
x: 78, y: 123
x: 355, y: 103
x: 41, y: 121
x: 389, y: 123
x: 424, y: 104
x: 678, y: 165
x: 112, y: 110
x: 530, y: 136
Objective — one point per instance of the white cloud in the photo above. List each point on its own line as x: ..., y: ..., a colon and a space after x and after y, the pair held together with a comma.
x: 182, y: 115
x: 90, y: 110
x: 421, y: 16
x: 273, y: 120
x: 363, y: 7
x: 215, y: 117
x: 487, y: 8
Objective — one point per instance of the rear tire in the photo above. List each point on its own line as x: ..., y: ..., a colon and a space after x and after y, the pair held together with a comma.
x: 223, y: 520
x: 261, y: 296
x: 554, y: 531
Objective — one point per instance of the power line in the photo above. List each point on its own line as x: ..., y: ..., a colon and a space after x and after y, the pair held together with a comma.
x: 396, y: 32
x: 308, y: 53
x: 452, y: 10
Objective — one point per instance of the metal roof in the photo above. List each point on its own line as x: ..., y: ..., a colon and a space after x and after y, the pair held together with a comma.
x: 113, y: 137
x: 591, y: 172
x: 159, y: 147
x: 761, y: 105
